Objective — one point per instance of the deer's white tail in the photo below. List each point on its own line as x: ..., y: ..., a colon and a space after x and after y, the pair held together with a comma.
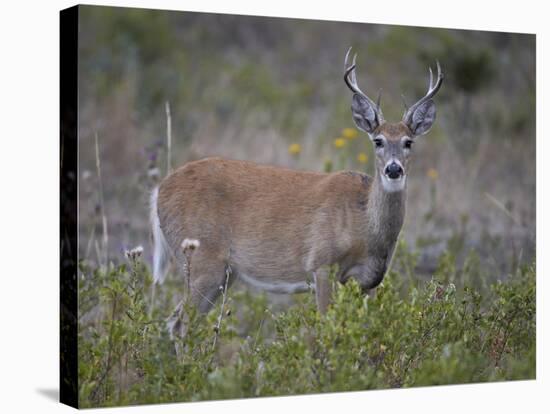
x: 161, y: 252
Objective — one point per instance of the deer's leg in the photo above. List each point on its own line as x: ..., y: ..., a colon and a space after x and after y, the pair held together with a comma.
x: 323, y: 288
x: 206, y: 284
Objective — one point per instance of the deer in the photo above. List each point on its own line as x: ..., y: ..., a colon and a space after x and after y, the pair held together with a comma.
x: 281, y: 230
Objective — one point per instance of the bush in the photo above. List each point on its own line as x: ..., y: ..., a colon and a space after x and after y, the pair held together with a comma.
x: 408, y: 334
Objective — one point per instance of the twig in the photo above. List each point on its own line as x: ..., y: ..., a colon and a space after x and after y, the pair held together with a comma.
x: 220, y: 316
x: 188, y: 246
x: 101, y: 201
x: 502, y: 207
x: 97, y: 252
x: 90, y: 243
x: 168, y: 138
x: 152, y: 304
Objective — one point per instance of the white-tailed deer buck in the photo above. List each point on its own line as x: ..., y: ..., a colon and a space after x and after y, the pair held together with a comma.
x: 279, y: 229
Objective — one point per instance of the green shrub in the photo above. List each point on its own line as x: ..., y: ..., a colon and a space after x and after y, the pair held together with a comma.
x: 408, y: 334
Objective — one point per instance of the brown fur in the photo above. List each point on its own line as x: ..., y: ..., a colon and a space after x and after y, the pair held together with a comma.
x: 393, y: 132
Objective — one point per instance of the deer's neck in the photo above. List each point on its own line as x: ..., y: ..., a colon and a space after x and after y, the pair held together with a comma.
x: 385, y: 212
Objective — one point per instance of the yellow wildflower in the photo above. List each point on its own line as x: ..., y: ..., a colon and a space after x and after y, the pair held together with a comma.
x: 339, y: 142
x: 294, y: 149
x: 349, y: 133
x: 362, y: 158
x: 432, y: 174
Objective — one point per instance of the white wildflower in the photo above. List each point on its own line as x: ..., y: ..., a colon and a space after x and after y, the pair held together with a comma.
x: 153, y: 173
x: 134, y: 253
x: 190, y: 244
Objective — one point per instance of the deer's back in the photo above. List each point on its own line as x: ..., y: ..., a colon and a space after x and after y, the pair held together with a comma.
x: 262, y: 217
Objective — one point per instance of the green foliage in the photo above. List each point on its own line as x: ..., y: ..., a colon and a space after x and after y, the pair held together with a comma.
x: 410, y: 333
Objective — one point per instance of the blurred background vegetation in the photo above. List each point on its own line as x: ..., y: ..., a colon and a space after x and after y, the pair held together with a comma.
x: 271, y: 90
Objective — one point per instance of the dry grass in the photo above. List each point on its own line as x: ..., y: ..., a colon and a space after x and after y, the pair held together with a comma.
x: 252, y: 94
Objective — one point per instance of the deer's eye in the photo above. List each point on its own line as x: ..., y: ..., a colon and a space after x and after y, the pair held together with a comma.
x: 408, y: 144
x: 378, y: 143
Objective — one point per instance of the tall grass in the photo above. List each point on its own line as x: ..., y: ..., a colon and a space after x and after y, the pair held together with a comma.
x: 103, y: 254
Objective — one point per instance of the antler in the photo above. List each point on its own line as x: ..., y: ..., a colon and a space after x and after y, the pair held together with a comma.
x: 351, y: 81
x: 432, y: 90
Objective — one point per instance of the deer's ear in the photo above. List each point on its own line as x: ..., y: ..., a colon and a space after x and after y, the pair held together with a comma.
x: 364, y: 115
x: 422, y: 118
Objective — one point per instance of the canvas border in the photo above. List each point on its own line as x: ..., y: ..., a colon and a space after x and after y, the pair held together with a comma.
x: 68, y: 96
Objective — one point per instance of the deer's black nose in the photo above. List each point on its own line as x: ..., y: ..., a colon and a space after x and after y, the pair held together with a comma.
x: 394, y: 170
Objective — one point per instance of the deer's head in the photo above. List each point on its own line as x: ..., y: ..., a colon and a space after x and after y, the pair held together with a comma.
x: 392, y: 142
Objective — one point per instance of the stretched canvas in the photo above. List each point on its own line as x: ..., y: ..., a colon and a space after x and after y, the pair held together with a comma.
x: 256, y: 206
